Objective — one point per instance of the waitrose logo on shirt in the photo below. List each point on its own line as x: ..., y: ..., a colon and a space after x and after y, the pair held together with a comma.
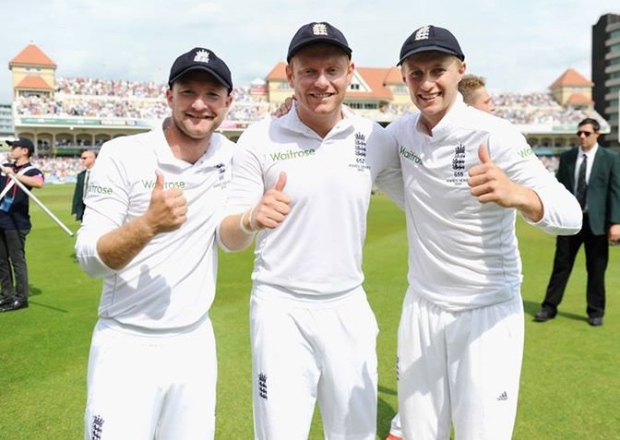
x: 98, y: 189
x: 526, y: 152
x: 150, y: 184
x: 291, y: 154
x: 409, y: 155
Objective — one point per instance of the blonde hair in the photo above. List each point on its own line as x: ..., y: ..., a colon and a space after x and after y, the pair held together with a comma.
x: 468, y: 86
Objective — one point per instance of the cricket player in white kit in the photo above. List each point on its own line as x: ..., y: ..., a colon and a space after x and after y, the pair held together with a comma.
x: 475, y: 94
x: 466, y: 174
x: 154, y: 202
x: 303, y: 183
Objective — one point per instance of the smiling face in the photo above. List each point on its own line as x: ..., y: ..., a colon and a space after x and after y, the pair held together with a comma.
x: 199, y: 104
x: 432, y: 79
x: 320, y: 74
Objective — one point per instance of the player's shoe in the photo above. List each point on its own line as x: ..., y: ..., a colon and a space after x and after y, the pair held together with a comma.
x: 393, y: 437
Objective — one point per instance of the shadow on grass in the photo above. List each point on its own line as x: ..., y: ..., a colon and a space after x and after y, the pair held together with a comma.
x: 35, y: 291
x: 385, y: 390
x: 385, y: 413
x: 56, y: 309
x: 531, y: 307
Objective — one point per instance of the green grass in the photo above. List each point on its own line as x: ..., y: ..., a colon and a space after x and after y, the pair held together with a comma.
x: 570, y: 377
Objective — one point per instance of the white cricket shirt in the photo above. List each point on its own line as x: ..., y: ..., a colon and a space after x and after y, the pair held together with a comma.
x: 170, y: 284
x: 317, y: 249
x: 462, y: 253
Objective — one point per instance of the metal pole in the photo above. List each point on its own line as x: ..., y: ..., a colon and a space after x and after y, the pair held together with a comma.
x: 38, y: 202
x: 6, y: 189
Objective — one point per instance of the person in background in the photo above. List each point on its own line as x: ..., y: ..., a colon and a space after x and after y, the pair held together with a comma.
x: 473, y: 89
x: 15, y: 224
x: 592, y: 173
x: 154, y: 202
x: 302, y: 184
x: 81, y: 187
x: 467, y: 174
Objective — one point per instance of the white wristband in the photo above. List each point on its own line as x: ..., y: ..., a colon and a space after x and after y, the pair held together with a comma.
x: 253, y: 226
x: 242, y: 226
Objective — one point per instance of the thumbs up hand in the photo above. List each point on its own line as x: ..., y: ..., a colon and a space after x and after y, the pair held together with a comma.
x: 281, y: 183
x: 273, y: 207
x: 168, y: 208
x: 489, y: 183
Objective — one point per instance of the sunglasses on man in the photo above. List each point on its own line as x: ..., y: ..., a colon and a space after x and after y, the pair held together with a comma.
x: 585, y: 133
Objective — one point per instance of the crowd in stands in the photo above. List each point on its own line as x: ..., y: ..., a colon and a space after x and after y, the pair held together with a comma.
x: 535, y: 109
x: 92, y: 107
x: 520, y: 109
x: 98, y: 98
x: 524, y: 100
x: 102, y: 87
x: 85, y: 143
x: 551, y: 163
x: 55, y: 169
x: 58, y: 169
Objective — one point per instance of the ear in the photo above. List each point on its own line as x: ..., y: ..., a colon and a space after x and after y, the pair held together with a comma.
x: 350, y: 71
x: 169, y: 96
x: 463, y: 67
x: 289, y: 75
x: 403, y: 71
x: 229, y: 100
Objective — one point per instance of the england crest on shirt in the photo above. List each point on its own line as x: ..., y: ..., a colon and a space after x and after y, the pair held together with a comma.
x: 458, y: 165
x: 223, y: 177
x: 360, y: 152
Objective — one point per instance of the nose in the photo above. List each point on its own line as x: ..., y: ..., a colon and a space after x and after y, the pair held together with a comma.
x: 199, y: 104
x: 426, y: 82
x: 321, y: 81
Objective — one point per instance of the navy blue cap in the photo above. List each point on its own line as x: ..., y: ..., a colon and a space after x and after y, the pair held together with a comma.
x: 201, y: 59
x: 431, y: 38
x: 317, y: 32
x: 22, y: 142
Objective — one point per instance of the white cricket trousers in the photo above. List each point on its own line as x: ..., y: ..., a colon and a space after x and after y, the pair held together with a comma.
x: 460, y: 368
x: 322, y: 349
x: 146, y: 387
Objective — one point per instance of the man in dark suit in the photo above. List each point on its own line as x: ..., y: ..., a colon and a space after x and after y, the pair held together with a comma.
x: 77, y: 208
x: 592, y: 173
x: 15, y: 223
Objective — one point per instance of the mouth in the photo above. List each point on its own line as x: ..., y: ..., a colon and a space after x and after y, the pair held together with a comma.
x: 429, y: 96
x: 196, y: 118
x: 322, y: 95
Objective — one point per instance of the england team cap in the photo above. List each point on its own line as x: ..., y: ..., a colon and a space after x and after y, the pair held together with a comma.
x: 22, y: 142
x: 201, y: 59
x: 317, y: 32
x: 429, y: 38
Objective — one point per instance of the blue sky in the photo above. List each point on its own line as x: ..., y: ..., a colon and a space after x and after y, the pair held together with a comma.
x: 518, y: 45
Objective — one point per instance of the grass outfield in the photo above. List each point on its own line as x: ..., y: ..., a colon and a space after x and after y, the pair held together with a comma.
x: 570, y: 381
